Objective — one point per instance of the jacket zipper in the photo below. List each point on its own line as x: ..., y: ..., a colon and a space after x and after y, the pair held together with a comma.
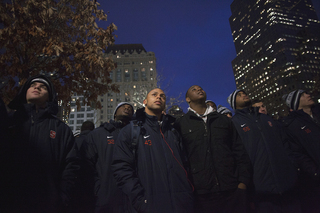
x: 215, y: 176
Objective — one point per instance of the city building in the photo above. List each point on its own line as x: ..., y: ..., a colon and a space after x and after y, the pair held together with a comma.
x: 135, y: 74
x: 278, y: 48
x: 77, y: 117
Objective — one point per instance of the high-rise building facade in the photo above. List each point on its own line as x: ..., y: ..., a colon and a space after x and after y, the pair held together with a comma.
x: 78, y: 116
x: 278, y: 48
x: 135, y: 74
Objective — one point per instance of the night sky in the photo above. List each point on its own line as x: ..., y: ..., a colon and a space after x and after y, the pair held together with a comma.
x: 191, y: 40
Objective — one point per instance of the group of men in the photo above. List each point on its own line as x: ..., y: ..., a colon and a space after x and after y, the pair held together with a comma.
x: 148, y: 161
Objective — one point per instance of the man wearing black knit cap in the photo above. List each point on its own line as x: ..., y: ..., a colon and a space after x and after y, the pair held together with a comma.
x: 274, y: 175
x: 99, y: 152
x: 303, y: 128
x: 43, y: 158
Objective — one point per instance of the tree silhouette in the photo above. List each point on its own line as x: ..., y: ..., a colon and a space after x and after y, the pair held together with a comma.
x: 59, y: 38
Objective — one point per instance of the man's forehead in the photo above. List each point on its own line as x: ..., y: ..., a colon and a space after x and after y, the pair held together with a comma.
x: 194, y: 86
x: 38, y: 82
x: 258, y: 103
x: 124, y: 105
x: 157, y: 90
x: 241, y: 92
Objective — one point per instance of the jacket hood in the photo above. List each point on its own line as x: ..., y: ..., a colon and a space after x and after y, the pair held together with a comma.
x: 20, y: 98
x: 141, y: 115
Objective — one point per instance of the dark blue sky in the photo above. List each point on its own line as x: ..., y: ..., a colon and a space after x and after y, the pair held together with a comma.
x: 191, y: 40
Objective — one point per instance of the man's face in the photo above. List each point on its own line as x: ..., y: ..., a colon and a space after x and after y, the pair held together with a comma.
x: 261, y: 106
x: 155, y: 101
x: 124, y: 111
x: 305, y: 100
x: 37, y: 93
x: 242, y: 100
x: 213, y: 105
x: 195, y: 93
x: 229, y: 115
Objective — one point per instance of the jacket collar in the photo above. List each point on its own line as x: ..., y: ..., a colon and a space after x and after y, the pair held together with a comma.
x: 166, y: 122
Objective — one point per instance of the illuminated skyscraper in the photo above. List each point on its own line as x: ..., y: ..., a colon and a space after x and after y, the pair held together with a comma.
x: 135, y: 74
x: 278, y: 48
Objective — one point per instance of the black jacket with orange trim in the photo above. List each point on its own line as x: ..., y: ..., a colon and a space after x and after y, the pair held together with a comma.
x: 267, y: 146
x: 154, y: 178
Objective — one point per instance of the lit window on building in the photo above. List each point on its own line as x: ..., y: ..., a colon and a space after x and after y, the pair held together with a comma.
x: 80, y: 115
x: 143, y: 74
x: 111, y: 75
x: 127, y: 75
x: 135, y: 75
x: 118, y: 75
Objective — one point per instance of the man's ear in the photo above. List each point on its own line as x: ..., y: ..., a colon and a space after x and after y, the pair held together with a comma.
x: 145, y: 101
x: 188, y: 100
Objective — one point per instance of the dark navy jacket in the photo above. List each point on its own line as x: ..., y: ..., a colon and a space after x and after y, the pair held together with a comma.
x: 273, y: 170
x: 218, y: 159
x: 4, y: 156
x: 154, y: 180
x: 100, y: 146
x: 43, y: 158
x: 304, y: 133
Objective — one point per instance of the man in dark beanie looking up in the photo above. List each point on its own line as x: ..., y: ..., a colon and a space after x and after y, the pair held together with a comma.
x: 100, y: 145
x: 44, y: 162
x: 274, y: 175
x: 303, y: 128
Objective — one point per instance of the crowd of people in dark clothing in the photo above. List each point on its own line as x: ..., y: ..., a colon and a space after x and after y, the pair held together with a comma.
x: 207, y: 161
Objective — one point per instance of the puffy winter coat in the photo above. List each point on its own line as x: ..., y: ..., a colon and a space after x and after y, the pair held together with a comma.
x: 217, y: 157
x: 99, y: 153
x: 44, y: 162
x: 153, y: 179
x: 304, y: 133
x: 273, y: 170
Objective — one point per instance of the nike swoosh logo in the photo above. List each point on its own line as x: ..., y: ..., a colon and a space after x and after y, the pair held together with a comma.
x: 303, y: 127
x: 109, y: 136
x: 146, y: 136
x: 242, y: 125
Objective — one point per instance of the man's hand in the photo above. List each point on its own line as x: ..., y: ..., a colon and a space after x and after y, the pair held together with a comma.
x: 242, y: 186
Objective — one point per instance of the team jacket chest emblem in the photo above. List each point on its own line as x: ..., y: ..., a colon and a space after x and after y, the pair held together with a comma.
x: 110, y: 140
x: 53, y: 134
x: 244, y: 127
x: 306, y: 129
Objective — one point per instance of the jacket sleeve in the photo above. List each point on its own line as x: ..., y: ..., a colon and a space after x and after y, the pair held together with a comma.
x: 242, y: 159
x: 125, y: 170
x: 91, y: 158
x: 302, y: 160
x: 69, y: 166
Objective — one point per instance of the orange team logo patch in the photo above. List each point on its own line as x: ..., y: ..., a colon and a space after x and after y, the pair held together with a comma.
x: 246, y: 129
x: 270, y: 123
x: 307, y: 131
x: 148, y: 142
x: 110, y: 141
x: 52, y: 134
